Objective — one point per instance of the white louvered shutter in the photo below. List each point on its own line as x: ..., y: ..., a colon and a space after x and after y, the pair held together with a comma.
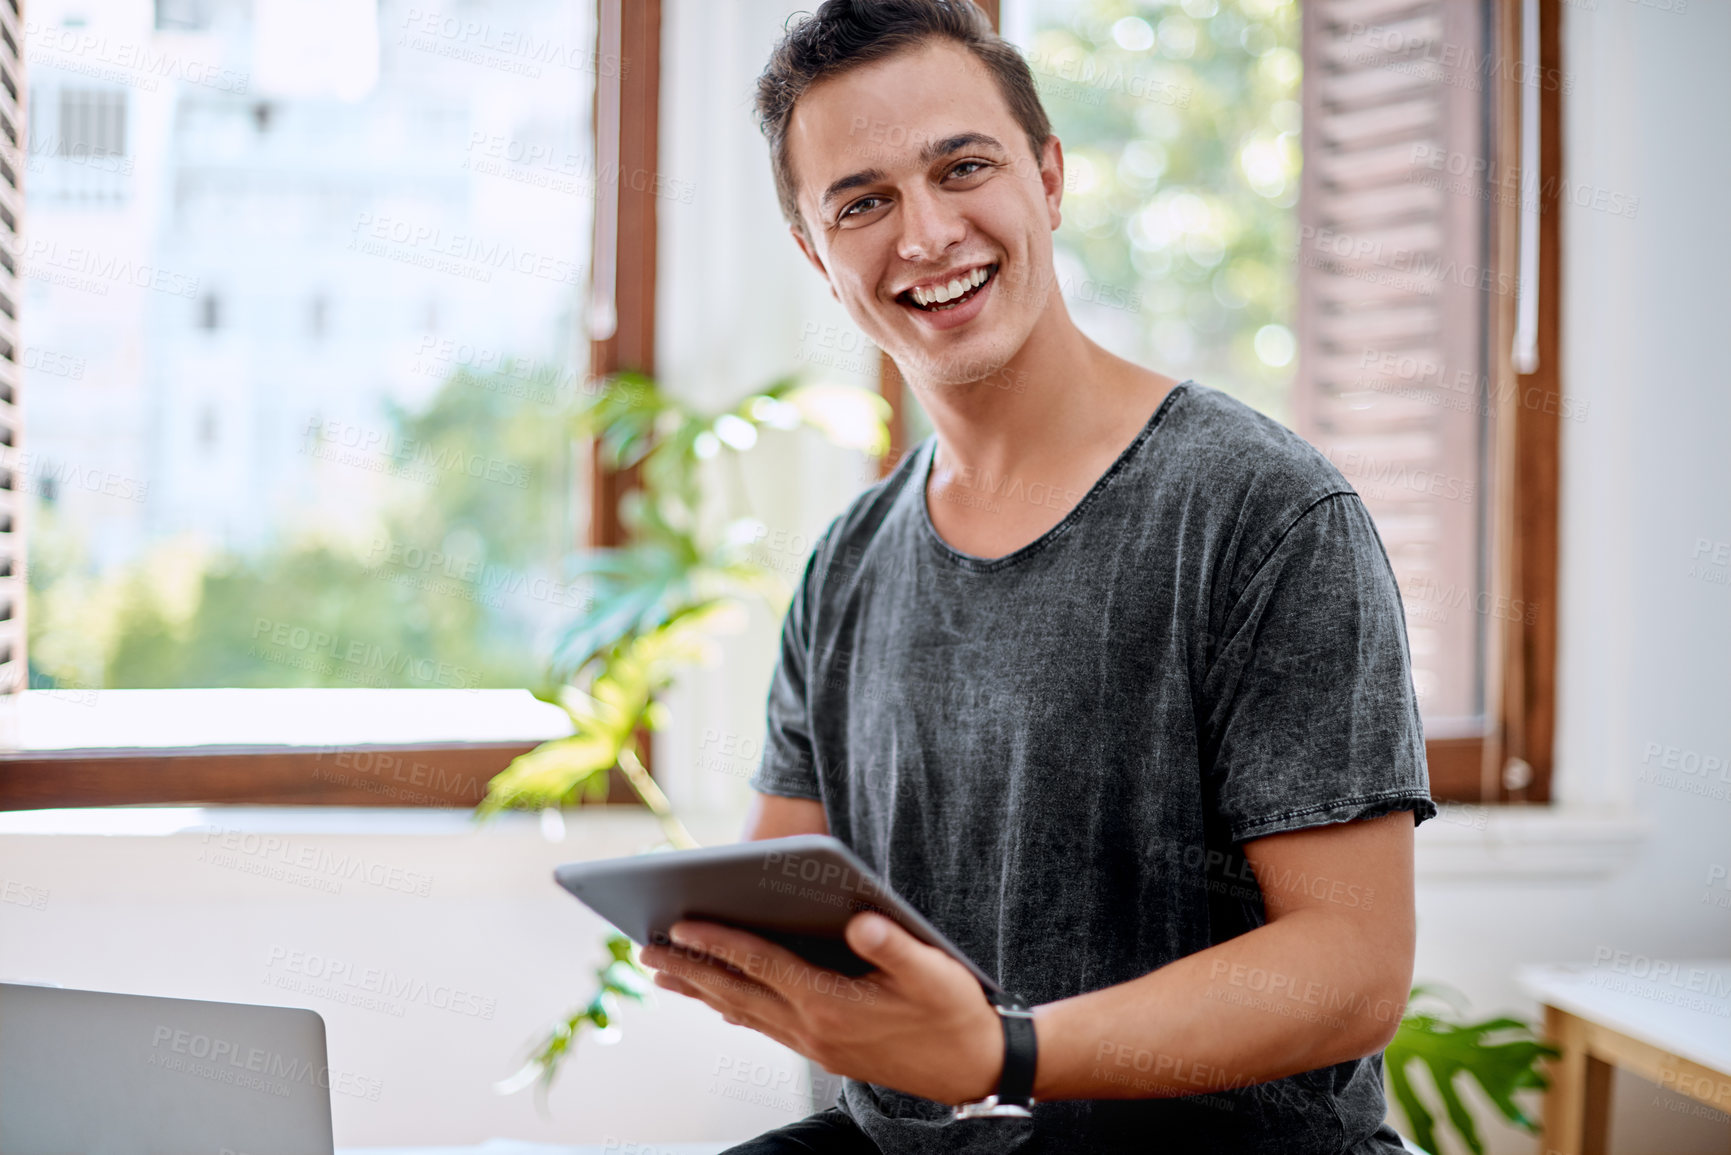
x: 13, y: 669
x: 1392, y: 310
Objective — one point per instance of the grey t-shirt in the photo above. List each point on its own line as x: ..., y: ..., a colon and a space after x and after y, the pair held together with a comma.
x: 1056, y: 755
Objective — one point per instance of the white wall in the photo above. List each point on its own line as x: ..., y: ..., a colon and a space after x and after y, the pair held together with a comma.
x: 491, y: 955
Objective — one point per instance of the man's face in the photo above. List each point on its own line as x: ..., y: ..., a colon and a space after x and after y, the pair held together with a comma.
x: 912, y: 174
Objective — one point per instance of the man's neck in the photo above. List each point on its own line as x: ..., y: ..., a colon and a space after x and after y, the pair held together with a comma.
x: 1060, y: 399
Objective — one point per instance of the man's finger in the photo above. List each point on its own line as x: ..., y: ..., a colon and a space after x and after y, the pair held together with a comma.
x: 763, y: 962
x: 883, y: 943
x: 677, y: 985
x: 725, y: 989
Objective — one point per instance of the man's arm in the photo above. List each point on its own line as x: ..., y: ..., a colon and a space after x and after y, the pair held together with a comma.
x: 1324, y: 981
x: 777, y: 816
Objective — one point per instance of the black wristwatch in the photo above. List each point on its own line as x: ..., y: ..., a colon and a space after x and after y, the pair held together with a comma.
x: 1016, y: 1085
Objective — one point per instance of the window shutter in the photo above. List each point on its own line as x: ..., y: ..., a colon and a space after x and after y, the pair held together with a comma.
x: 13, y: 669
x: 1392, y: 315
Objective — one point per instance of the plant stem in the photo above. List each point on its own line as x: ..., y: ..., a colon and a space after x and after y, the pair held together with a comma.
x: 638, y: 775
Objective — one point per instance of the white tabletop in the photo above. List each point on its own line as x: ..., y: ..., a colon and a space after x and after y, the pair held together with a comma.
x: 1681, y: 1006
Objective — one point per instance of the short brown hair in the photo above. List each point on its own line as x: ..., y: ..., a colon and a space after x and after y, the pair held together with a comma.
x: 844, y: 34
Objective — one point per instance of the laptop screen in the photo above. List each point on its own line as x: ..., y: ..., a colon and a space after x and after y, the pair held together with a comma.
x: 111, y: 1074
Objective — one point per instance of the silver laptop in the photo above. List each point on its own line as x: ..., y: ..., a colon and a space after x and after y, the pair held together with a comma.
x: 108, y: 1074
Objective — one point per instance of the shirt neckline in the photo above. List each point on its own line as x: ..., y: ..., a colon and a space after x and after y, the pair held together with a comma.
x: 972, y: 562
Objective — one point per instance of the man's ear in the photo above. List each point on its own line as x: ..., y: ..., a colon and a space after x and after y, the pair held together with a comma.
x: 1052, y: 177
x: 799, y: 239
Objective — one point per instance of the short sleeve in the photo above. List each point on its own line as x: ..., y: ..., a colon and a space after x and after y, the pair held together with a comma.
x: 1310, y: 716
x: 787, y: 767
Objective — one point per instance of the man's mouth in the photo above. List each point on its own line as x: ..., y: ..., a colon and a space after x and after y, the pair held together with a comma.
x: 958, y: 291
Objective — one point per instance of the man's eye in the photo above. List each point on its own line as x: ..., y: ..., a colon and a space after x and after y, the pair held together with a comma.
x: 971, y: 165
x: 864, y: 204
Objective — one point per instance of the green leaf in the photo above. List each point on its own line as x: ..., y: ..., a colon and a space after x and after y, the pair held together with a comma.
x: 1501, y: 1055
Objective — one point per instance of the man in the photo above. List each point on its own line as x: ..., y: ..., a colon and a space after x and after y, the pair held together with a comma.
x: 1135, y: 729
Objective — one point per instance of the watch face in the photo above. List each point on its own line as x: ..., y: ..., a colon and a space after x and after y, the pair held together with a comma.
x: 990, y: 1108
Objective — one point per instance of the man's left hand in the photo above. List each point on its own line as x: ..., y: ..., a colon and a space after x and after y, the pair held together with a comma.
x: 919, y: 1022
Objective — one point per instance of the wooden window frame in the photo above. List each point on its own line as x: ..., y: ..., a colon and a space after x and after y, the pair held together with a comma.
x: 1512, y: 761
x: 626, y: 133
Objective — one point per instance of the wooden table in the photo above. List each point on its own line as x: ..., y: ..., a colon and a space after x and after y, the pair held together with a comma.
x: 1666, y: 1020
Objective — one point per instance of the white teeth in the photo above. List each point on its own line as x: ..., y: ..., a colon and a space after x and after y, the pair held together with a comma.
x: 944, y: 293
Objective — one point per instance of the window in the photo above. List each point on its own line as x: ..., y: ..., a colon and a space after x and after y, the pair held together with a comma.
x: 322, y: 285
x: 78, y: 143
x: 1187, y: 122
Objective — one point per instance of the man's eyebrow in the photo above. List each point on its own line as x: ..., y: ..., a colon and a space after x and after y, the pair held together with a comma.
x: 931, y: 152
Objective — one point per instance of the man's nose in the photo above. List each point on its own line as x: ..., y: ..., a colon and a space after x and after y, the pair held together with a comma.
x: 930, y: 226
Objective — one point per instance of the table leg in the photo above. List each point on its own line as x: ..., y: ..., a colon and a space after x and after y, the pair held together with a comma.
x: 1577, y: 1116
x: 1596, y: 1110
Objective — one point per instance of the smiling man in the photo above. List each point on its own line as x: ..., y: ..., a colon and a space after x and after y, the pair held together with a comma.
x: 1135, y: 729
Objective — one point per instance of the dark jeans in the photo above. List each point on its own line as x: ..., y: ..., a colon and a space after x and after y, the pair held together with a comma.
x: 829, y: 1132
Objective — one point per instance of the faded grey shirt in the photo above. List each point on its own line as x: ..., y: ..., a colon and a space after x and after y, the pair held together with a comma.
x: 1057, y: 755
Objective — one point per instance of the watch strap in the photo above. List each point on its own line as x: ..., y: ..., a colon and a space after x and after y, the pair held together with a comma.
x: 1015, y: 1092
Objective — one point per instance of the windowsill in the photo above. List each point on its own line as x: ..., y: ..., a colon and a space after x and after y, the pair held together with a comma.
x: 52, y: 723
x: 283, y: 732
x: 300, y: 747
x: 1528, y: 843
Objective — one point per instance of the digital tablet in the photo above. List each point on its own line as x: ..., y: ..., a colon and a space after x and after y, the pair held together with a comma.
x: 798, y: 892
